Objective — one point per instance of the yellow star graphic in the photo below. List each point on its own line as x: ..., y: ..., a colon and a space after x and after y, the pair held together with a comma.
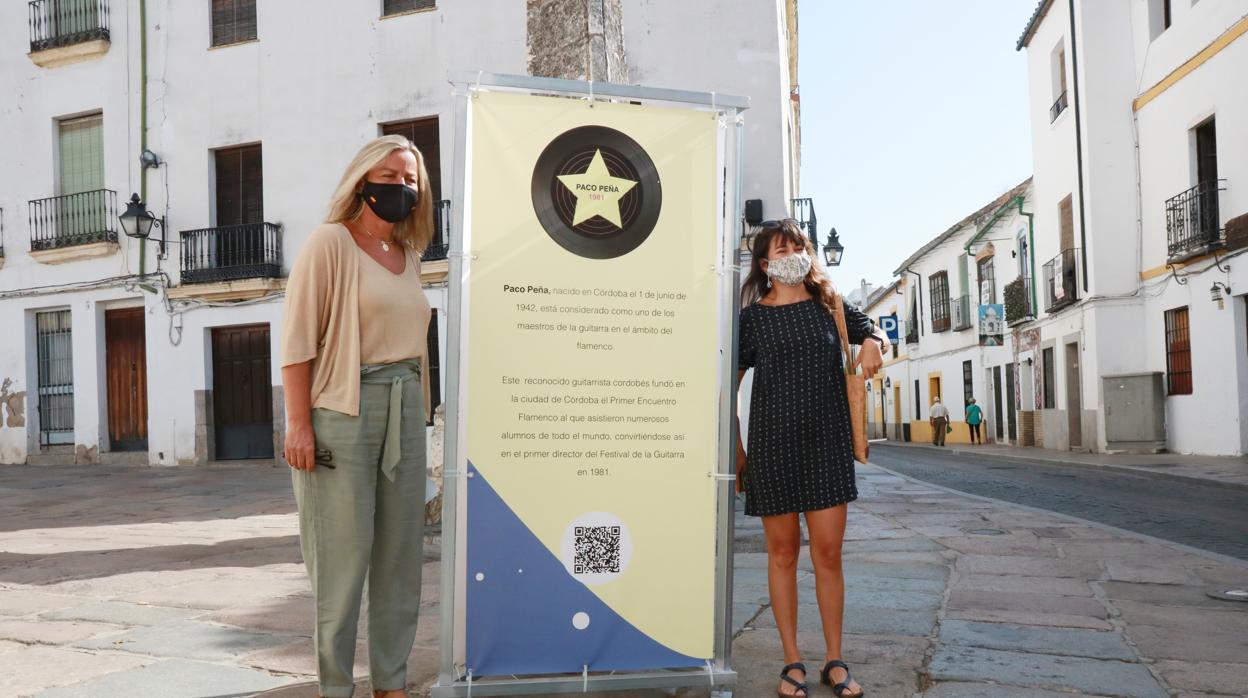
x: 597, y: 192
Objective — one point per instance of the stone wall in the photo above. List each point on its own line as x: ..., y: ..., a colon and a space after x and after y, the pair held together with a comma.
x: 577, y: 39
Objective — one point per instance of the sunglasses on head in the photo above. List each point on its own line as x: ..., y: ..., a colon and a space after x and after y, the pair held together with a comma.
x: 777, y: 224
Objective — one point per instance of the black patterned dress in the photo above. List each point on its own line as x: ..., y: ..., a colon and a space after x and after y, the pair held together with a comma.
x: 800, y: 450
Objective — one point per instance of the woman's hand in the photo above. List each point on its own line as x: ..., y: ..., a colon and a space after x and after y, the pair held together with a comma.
x: 870, y: 358
x: 300, y: 450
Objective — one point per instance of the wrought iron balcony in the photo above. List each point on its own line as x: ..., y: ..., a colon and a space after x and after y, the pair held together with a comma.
x: 251, y: 251
x: 912, y: 331
x: 1061, y: 280
x: 804, y: 213
x: 57, y: 23
x: 1058, y: 107
x: 441, y: 242
x: 73, y: 219
x: 1018, y: 306
x: 1193, y: 225
x: 962, y: 319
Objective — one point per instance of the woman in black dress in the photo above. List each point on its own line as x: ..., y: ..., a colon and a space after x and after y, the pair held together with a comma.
x: 801, y: 457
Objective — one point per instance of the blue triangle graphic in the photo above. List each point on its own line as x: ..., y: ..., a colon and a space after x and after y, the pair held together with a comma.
x: 521, y: 601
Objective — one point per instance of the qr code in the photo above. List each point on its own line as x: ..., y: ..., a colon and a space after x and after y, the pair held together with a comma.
x: 597, y: 550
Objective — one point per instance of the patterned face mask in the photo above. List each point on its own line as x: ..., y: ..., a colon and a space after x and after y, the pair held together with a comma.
x: 790, y: 270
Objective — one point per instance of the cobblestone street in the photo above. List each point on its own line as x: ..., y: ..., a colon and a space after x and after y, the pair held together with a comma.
x: 187, y: 582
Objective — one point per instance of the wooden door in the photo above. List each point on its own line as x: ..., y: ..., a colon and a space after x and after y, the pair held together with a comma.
x: 1011, y: 405
x: 242, y: 392
x: 125, y: 356
x: 1207, y: 152
x: 897, y: 412
x: 998, y: 403
x: 1074, y: 402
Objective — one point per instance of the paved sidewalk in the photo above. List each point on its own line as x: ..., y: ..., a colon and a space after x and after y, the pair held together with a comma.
x: 186, y: 582
x: 1231, y: 471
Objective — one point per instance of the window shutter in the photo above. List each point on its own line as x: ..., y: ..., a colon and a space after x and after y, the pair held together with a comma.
x: 233, y: 21
x: 1067, y: 217
x: 245, y: 20
x: 222, y: 22
x: 82, y: 154
x: 423, y: 133
x: 240, y: 186
x: 394, y: 7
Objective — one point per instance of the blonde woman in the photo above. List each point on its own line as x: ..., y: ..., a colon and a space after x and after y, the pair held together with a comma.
x: 354, y: 370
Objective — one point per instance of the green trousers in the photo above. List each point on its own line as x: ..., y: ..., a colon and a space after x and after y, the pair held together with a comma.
x: 364, y: 517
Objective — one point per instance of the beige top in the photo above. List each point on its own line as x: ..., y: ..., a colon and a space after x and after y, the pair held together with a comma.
x: 388, y: 304
x: 332, y: 284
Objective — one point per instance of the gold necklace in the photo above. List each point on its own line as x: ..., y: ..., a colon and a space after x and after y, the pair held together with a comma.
x: 385, y: 244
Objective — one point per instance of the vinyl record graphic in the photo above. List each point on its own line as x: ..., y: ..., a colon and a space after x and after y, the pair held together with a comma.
x: 596, y: 192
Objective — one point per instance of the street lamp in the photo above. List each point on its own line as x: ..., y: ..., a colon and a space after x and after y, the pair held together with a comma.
x: 137, y: 222
x: 1216, y: 292
x: 833, y: 250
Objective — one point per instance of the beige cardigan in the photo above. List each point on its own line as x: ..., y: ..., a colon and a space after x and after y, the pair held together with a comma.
x: 322, y: 319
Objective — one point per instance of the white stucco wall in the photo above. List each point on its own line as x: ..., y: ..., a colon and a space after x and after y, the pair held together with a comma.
x: 312, y: 89
x: 734, y: 48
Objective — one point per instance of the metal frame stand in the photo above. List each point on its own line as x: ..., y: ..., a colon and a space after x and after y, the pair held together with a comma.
x: 453, y: 682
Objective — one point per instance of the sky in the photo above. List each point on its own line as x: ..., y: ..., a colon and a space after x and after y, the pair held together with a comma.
x: 914, y: 115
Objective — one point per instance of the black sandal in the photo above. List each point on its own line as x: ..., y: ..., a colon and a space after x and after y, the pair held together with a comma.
x: 841, y: 689
x: 797, y: 685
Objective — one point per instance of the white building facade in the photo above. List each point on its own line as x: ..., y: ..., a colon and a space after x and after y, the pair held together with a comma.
x: 1140, y: 143
x: 117, y: 352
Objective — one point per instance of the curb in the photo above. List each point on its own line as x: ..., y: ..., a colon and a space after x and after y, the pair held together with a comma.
x: 1131, y: 469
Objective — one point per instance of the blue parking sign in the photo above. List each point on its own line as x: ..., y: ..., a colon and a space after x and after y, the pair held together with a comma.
x: 888, y: 323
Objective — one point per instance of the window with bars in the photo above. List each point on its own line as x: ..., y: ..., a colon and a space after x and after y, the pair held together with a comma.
x: 987, y: 282
x: 240, y: 186
x: 939, y: 285
x: 398, y: 7
x: 1178, y: 352
x: 968, y: 386
x: 423, y: 133
x: 233, y: 21
x: 54, y: 344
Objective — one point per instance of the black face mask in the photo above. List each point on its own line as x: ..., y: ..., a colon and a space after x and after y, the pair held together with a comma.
x: 391, y: 202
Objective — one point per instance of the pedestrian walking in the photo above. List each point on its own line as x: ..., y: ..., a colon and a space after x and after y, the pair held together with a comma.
x: 800, y: 458
x: 355, y: 373
x: 974, y: 417
x: 939, y: 419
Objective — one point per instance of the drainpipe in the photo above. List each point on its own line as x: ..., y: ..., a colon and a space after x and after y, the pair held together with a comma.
x: 142, y: 121
x: 1083, y: 226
